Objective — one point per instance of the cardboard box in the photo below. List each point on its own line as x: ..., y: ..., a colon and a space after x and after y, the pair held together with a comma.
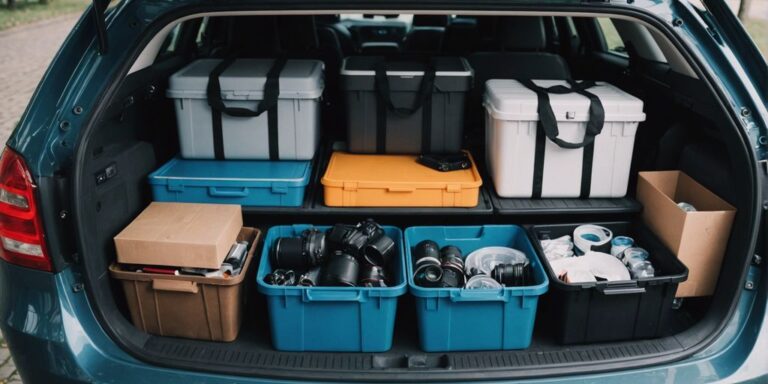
x: 180, y: 235
x: 697, y: 238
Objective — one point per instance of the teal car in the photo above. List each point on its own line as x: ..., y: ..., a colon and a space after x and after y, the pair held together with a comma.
x: 73, y: 174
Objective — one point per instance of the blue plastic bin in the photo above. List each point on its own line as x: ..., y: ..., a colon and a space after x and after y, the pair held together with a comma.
x: 331, y: 319
x: 455, y: 319
x: 243, y: 182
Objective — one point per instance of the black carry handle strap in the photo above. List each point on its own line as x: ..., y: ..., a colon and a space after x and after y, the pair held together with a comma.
x: 384, y: 104
x: 271, y: 90
x: 547, y: 126
x: 425, y: 89
x: 548, y: 121
x: 267, y: 104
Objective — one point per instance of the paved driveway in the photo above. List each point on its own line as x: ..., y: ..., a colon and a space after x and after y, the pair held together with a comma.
x: 25, y: 53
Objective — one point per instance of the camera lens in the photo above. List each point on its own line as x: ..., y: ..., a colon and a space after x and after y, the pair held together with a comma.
x: 452, y: 278
x: 451, y: 256
x: 452, y: 252
x: 287, y: 253
x: 379, y: 250
x: 310, y: 278
x: 427, y: 270
x: 281, y: 277
x: 315, y: 245
x: 372, y: 276
x: 341, y: 271
x: 512, y: 275
x: 426, y: 248
x: 299, y: 253
x: 453, y: 267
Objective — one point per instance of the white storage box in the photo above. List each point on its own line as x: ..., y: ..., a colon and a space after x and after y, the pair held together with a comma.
x: 251, y: 123
x: 514, y: 136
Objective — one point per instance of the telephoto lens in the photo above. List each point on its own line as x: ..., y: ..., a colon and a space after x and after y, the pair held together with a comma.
x: 372, y: 276
x: 281, y: 277
x: 426, y: 264
x: 341, y: 271
x: 512, y: 275
x: 299, y: 253
x: 309, y: 278
x: 453, y: 267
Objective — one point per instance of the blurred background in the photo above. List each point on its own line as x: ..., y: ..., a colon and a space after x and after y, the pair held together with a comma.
x: 754, y: 15
x: 31, y: 32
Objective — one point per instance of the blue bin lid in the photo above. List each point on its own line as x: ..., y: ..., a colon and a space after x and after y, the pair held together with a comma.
x: 244, y: 173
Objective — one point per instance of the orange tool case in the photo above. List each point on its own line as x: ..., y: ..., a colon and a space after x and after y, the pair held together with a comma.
x: 357, y: 180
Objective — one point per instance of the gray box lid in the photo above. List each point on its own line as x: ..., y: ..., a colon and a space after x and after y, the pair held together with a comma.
x: 245, y: 79
x: 452, y: 74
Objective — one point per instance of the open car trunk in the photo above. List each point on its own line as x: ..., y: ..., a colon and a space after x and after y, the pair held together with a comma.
x: 687, y: 128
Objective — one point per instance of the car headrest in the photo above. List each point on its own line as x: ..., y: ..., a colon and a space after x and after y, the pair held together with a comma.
x: 297, y: 34
x: 430, y: 20
x: 428, y: 39
x: 522, y: 33
x: 251, y: 36
x: 327, y: 19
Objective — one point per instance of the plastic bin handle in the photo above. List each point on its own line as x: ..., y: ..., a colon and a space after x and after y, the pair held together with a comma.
x: 332, y: 295
x: 401, y: 189
x: 175, y: 285
x: 620, y: 290
x: 239, y: 192
x: 478, y: 295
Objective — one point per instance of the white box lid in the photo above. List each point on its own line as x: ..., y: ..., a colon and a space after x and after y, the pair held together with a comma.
x: 245, y: 79
x: 511, y: 100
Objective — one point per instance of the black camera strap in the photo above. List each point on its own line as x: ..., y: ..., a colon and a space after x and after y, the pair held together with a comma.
x: 385, y: 106
x: 546, y: 128
x: 267, y: 104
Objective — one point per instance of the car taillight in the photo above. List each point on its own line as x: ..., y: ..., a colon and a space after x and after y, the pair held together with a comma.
x: 21, y: 231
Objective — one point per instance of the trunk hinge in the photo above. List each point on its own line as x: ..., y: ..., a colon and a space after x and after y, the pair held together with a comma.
x: 98, y: 8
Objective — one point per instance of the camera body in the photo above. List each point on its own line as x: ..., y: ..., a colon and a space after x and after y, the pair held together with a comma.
x: 366, y: 240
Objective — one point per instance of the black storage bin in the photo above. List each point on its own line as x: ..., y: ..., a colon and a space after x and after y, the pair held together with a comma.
x: 405, y: 106
x: 610, y: 310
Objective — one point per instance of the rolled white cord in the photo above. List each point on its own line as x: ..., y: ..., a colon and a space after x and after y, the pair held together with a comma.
x: 587, y: 236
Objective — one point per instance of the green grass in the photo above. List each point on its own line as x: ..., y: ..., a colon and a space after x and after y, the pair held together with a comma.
x: 28, y: 11
x: 758, y: 29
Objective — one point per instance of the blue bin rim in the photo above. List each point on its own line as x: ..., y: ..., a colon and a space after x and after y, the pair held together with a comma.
x: 328, y: 293
x: 461, y: 294
x: 158, y: 177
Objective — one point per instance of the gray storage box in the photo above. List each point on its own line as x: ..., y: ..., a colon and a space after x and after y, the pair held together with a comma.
x: 286, y: 130
x: 400, y: 113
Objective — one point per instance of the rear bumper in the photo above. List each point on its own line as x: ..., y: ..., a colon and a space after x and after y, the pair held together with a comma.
x: 55, y: 338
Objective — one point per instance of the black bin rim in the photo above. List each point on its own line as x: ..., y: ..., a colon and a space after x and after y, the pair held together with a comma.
x: 678, y: 272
